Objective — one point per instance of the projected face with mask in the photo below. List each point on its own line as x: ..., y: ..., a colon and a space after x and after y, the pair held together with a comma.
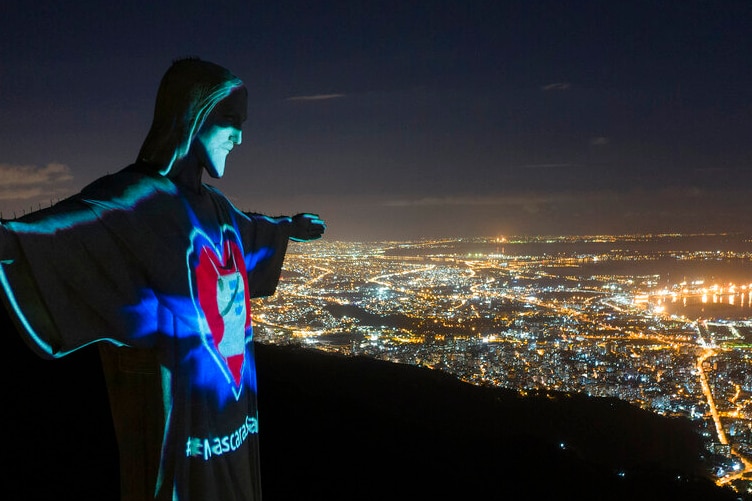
x: 221, y: 131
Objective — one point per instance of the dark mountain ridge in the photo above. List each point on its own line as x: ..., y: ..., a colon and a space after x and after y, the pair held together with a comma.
x: 358, y: 428
x: 336, y: 427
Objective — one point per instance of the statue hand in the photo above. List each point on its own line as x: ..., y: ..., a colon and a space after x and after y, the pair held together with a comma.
x: 306, y: 227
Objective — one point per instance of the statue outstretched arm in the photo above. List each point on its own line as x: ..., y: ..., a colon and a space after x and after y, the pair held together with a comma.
x: 303, y: 227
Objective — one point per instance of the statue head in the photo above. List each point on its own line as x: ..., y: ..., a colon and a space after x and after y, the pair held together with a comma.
x: 188, y: 92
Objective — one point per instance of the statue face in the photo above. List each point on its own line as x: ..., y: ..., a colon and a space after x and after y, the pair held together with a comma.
x: 221, y: 131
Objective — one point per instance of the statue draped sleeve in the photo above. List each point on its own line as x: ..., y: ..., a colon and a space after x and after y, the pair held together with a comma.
x: 70, y: 277
x: 110, y: 263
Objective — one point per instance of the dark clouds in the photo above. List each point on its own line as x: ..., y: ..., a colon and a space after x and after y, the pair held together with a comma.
x: 399, y: 119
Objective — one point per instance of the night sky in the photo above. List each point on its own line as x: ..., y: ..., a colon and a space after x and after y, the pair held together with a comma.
x: 404, y: 120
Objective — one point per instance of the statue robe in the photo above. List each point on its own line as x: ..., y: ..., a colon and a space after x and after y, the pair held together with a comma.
x: 165, y: 274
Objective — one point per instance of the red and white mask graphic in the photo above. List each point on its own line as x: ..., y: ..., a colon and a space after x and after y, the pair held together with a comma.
x: 223, y: 298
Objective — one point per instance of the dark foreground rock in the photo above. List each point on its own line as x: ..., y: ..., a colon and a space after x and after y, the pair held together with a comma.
x: 334, y: 427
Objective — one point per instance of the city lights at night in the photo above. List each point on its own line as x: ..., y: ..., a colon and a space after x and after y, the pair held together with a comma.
x: 660, y: 321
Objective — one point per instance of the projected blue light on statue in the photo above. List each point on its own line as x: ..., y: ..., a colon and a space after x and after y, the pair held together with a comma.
x: 163, y: 266
x: 213, y: 255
